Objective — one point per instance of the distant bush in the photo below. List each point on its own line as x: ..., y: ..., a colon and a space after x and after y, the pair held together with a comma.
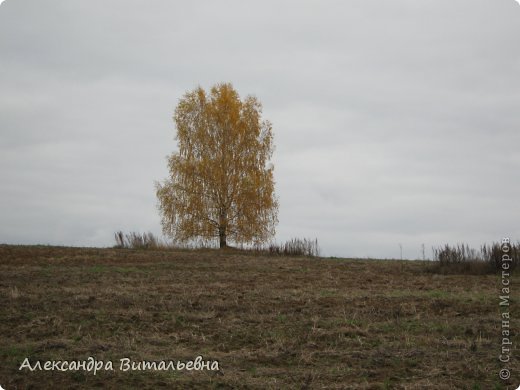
x: 449, y: 255
x: 294, y: 247
x: 462, y: 258
x: 494, y: 254
x: 135, y: 240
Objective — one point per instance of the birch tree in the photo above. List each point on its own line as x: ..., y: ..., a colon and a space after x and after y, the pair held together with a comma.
x: 220, y: 184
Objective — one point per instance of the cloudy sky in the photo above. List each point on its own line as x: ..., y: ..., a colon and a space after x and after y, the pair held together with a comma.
x: 395, y: 122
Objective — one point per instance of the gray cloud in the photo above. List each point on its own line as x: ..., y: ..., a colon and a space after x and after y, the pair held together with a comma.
x: 395, y: 122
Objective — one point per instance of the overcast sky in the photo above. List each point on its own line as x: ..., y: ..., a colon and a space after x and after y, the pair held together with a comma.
x: 395, y: 122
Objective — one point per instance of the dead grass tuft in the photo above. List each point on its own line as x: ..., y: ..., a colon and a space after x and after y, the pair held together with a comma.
x: 14, y: 293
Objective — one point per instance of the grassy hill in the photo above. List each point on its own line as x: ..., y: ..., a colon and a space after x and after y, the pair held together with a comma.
x: 270, y: 322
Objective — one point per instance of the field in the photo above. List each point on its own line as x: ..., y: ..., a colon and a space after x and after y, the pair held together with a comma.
x: 270, y: 322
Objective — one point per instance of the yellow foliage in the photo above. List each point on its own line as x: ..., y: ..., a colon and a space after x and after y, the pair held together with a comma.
x: 221, y: 183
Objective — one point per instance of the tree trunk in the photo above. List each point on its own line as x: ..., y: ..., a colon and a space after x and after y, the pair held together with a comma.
x: 222, y: 227
x: 222, y: 237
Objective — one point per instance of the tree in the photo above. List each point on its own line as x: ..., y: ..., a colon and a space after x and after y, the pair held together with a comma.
x: 221, y: 182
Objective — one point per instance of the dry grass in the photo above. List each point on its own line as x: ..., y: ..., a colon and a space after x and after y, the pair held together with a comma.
x: 271, y: 322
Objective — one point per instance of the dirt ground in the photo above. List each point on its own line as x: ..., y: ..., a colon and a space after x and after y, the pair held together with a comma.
x: 270, y: 322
